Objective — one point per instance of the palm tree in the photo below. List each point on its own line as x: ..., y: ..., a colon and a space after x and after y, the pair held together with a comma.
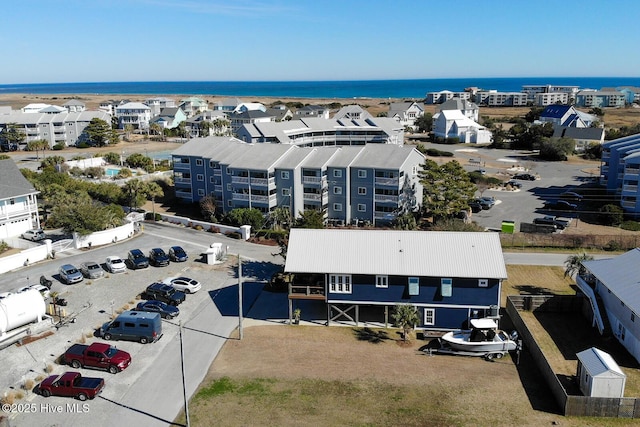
x: 406, y: 317
x: 128, y: 129
x: 152, y: 191
x: 133, y: 189
x: 157, y: 129
x: 204, y: 127
x: 37, y: 145
x: 573, y: 264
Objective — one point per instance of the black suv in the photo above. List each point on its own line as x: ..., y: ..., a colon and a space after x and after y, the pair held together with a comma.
x: 137, y: 259
x: 164, y: 293
x: 158, y: 257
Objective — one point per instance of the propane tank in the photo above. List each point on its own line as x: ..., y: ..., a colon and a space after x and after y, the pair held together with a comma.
x: 19, y: 309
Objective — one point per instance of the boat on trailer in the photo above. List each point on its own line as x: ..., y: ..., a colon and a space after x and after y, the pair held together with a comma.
x: 483, y: 339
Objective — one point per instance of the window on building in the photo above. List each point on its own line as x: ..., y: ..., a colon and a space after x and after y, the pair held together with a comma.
x: 362, y: 173
x: 199, y: 162
x: 414, y: 286
x: 446, y: 286
x: 382, y: 281
x: 337, y: 207
x: 337, y: 173
x: 429, y: 316
x: 200, y: 192
x: 362, y: 191
x: 483, y: 283
x: 362, y: 207
x: 284, y: 174
x: 340, y: 283
x: 230, y: 203
x: 212, y: 180
x: 337, y: 190
x: 286, y: 191
x: 200, y: 177
x: 229, y: 188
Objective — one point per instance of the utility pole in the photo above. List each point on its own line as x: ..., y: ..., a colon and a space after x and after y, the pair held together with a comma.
x: 184, y: 383
x: 240, y: 297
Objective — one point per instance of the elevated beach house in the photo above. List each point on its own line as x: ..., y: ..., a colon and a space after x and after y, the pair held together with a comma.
x: 361, y: 275
x: 18, y: 201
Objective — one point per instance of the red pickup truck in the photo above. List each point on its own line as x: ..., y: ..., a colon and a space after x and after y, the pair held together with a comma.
x: 71, y: 384
x: 97, y: 355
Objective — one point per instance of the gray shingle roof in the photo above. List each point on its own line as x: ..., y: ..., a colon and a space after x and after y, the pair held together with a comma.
x: 12, y: 182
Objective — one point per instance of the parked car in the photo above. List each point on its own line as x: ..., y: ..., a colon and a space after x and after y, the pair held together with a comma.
x: 137, y: 259
x: 475, y: 206
x: 571, y: 196
x: 97, y: 355
x: 71, y: 384
x: 34, y: 235
x: 184, y: 284
x: 561, y: 205
x: 165, y: 293
x: 513, y: 183
x: 488, y: 201
x: 158, y: 257
x: 525, y: 177
x: 166, y: 311
x: 177, y: 254
x: 559, y: 224
x: 69, y: 274
x: 133, y: 326
x: 91, y: 270
x: 115, y: 264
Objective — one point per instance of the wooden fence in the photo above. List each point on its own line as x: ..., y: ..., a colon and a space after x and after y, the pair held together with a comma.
x: 581, y: 406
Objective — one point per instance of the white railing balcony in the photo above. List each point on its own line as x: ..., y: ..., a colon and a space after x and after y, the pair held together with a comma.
x: 311, y: 179
x: 386, y: 198
x: 384, y: 215
x: 630, y: 188
x: 388, y: 181
x: 182, y: 180
x: 240, y: 196
x: 217, y: 188
x: 179, y: 165
x: 217, y: 172
x: 240, y: 179
x: 312, y: 196
x: 183, y: 194
x: 263, y: 182
x: 628, y: 204
x: 631, y: 173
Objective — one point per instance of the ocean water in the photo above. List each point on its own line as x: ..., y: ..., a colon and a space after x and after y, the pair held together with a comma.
x: 316, y: 89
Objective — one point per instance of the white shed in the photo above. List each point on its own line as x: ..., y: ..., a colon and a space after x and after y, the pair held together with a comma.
x: 599, y: 375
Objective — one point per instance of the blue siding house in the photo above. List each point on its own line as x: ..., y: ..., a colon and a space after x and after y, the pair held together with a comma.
x: 450, y: 277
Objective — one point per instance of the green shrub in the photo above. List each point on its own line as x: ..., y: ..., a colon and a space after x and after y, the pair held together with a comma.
x: 434, y: 152
x: 613, y: 246
x: 59, y: 146
x: 83, y: 145
x: 630, y: 225
x: 233, y: 235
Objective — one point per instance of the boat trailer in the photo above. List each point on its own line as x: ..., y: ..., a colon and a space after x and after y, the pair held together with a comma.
x: 445, y: 348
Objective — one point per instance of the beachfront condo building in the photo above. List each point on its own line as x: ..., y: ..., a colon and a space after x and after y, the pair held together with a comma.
x: 64, y: 129
x: 620, y: 172
x: 371, y: 183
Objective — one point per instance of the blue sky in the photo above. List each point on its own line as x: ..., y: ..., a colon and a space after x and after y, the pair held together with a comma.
x: 46, y: 41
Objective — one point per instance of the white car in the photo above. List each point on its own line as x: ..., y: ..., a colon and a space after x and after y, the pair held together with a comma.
x: 34, y: 235
x: 115, y: 264
x: 184, y: 284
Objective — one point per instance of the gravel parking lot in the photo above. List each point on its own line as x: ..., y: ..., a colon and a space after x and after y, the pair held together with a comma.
x: 149, y: 392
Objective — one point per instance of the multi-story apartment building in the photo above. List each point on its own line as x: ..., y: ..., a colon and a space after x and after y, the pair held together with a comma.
x: 157, y: 104
x: 620, y: 171
x: 544, y: 99
x: 533, y: 90
x: 445, y: 95
x: 18, y: 201
x: 136, y: 114
x: 62, y: 128
x: 494, y: 98
x: 372, y: 183
x: 313, y: 132
x: 600, y: 98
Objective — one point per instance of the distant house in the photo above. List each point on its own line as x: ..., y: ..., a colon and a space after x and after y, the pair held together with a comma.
x: 584, y: 137
x: 468, y: 109
x: 566, y: 116
x: 250, y: 106
x: 228, y: 104
x: 449, y: 277
x: 170, y: 117
x: 406, y: 113
x: 352, y: 112
x: 34, y: 108
x: 445, y: 95
x: 249, y: 117
x: 454, y: 124
x: 218, y: 124
x: 312, y: 111
x: 193, y: 105
x: 75, y: 106
x: 18, y: 201
x: 280, y: 113
x: 157, y: 104
x: 136, y: 114
x: 615, y: 282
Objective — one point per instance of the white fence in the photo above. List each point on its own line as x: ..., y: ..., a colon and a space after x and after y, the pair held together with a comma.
x: 99, y: 238
x: 244, y: 230
x: 26, y: 257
